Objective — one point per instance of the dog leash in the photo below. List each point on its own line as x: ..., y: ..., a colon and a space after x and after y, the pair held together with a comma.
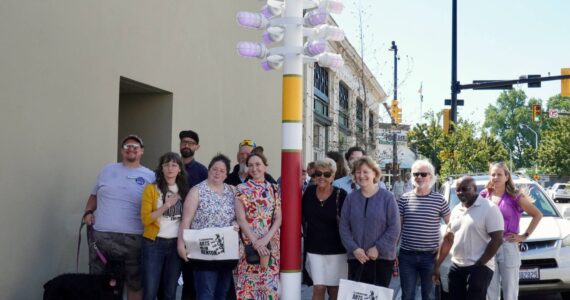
x: 89, y: 238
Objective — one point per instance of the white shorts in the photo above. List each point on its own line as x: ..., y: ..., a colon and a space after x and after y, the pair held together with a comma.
x: 327, y: 269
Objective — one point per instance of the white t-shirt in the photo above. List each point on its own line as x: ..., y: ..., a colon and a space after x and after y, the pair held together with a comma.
x: 471, y: 227
x: 170, y: 219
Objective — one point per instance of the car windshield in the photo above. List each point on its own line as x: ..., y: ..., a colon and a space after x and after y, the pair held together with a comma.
x: 536, y: 195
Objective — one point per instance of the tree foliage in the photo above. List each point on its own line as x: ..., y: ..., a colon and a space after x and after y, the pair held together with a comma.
x: 504, y: 120
x: 468, y: 150
x: 553, y: 154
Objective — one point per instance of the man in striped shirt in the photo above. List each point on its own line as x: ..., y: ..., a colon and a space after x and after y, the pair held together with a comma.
x: 420, y: 213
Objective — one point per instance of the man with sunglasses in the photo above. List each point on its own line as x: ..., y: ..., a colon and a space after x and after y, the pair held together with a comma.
x: 420, y: 213
x: 113, y: 209
x: 473, y: 236
x: 239, y: 172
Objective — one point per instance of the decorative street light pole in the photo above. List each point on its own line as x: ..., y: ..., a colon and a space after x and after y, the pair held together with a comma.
x: 284, y: 21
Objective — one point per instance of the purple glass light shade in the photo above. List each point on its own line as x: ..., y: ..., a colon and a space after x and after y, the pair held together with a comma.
x: 251, y: 20
x: 251, y: 49
x: 316, y: 17
x: 317, y: 47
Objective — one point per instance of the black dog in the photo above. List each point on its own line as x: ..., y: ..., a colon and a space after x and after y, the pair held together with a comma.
x: 108, y: 286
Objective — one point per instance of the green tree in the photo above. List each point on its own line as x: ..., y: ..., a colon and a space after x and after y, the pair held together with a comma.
x: 467, y: 151
x: 504, y: 120
x: 553, y: 156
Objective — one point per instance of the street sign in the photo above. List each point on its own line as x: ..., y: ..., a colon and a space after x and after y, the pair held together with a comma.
x: 460, y: 102
x: 553, y: 113
x: 498, y: 85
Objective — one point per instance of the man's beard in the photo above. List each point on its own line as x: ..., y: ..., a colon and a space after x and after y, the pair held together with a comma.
x: 187, y: 153
x: 242, y: 168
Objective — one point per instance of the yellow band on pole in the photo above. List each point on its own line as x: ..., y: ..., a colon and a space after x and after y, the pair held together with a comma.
x: 292, y: 98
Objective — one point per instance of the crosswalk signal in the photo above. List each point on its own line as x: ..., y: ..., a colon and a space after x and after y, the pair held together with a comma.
x: 536, y: 113
x: 565, y: 83
x: 446, y: 118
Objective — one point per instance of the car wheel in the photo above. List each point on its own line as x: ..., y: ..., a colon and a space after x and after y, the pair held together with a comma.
x: 440, y: 294
x: 565, y: 295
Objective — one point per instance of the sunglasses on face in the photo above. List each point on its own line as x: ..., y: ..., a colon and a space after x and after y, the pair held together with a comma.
x: 319, y: 174
x: 423, y: 174
x: 131, y: 146
x: 248, y: 143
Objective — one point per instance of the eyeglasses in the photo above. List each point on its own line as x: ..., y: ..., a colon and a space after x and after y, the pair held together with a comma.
x: 131, y: 146
x: 248, y: 143
x: 188, y: 143
x: 319, y: 174
x: 423, y: 174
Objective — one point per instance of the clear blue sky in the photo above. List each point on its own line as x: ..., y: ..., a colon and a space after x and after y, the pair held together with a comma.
x: 496, y: 40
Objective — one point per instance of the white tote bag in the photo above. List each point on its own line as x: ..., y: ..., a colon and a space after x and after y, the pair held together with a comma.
x: 353, y: 290
x: 212, y: 243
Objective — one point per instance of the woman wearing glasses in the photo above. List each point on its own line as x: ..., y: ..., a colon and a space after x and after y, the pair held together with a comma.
x: 258, y: 213
x: 512, y: 202
x: 326, y: 256
x: 370, y: 226
x: 161, y: 211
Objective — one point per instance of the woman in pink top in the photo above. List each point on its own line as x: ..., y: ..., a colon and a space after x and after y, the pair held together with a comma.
x: 502, y: 191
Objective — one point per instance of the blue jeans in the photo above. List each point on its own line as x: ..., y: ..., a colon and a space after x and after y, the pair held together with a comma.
x: 412, y: 264
x: 160, y: 263
x: 212, y: 285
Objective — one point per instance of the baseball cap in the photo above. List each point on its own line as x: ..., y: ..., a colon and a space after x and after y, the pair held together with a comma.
x: 133, y: 137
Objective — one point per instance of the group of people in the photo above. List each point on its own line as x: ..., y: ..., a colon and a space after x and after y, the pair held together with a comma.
x: 138, y: 216
x: 353, y: 227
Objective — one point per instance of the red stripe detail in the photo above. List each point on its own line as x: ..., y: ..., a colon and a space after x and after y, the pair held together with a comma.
x: 291, y: 210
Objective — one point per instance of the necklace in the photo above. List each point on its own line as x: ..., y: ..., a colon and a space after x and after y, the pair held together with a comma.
x: 322, y: 202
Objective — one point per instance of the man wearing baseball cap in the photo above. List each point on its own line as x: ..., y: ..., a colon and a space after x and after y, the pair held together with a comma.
x: 113, y: 209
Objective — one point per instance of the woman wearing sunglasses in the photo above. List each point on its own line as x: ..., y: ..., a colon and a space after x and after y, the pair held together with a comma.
x: 512, y: 202
x: 326, y: 256
x: 370, y: 226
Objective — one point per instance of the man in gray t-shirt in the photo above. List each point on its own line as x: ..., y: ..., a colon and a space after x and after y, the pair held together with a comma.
x: 113, y: 209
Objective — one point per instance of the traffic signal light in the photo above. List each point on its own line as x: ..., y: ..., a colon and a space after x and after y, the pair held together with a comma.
x: 536, y: 113
x: 446, y: 117
x: 396, y: 112
x: 565, y: 83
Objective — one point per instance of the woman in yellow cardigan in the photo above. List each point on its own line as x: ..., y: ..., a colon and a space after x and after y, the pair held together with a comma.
x: 161, y: 212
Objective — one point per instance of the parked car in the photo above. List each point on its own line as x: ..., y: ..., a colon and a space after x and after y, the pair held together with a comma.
x: 560, y: 192
x: 545, y: 255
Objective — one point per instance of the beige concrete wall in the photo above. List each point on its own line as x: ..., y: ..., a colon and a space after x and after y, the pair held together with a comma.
x: 61, y: 62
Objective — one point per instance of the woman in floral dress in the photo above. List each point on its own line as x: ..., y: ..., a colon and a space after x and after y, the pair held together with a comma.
x: 258, y: 213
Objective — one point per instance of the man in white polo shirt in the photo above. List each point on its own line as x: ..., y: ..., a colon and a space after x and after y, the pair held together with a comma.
x: 473, y: 236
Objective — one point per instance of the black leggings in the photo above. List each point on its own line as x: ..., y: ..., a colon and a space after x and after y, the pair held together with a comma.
x: 377, y: 272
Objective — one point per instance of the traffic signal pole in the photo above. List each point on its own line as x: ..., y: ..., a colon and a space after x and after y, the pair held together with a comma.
x: 394, y: 125
x: 454, y: 83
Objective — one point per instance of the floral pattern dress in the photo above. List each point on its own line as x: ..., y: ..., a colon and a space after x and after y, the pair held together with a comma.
x: 260, y: 200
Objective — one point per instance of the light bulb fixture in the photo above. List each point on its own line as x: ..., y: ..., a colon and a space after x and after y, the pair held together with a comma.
x: 332, y: 6
x: 251, y: 49
x: 315, y: 17
x: 329, y: 32
x: 268, y: 65
x: 270, y: 11
x: 330, y: 60
x: 272, y: 35
x: 315, y: 47
x: 252, y: 20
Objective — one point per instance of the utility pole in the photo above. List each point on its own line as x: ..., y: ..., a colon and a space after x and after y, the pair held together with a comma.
x: 394, y: 125
x: 454, y: 84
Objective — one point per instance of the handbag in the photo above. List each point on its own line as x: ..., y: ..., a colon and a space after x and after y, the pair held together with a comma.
x: 212, y: 244
x: 349, y: 289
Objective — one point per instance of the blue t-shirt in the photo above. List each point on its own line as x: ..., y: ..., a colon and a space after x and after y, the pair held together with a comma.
x: 196, y: 173
x: 118, y: 190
